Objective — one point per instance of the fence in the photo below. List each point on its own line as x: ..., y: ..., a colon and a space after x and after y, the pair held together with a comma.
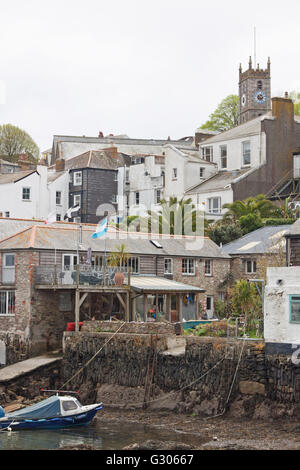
x: 83, y: 275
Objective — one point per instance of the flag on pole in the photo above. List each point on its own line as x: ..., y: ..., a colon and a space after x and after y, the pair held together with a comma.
x: 101, y: 229
x: 51, y: 218
x: 72, y: 212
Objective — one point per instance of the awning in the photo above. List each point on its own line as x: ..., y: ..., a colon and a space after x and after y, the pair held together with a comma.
x: 161, y: 285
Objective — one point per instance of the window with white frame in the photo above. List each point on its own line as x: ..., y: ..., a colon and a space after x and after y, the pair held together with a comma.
x: 7, y: 214
x: 114, y: 199
x: 26, y: 194
x: 8, y: 268
x: 294, y: 308
x: 223, y: 153
x: 202, y: 171
x: 168, y: 266
x: 188, y: 266
x: 97, y: 262
x: 7, y: 302
x: 77, y: 181
x: 174, y: 173
x: 77, y: 200
x: 250, y: 266
x: 214, y: 205
x: 246, y: 153
x: 58, y: 217
x: 207, y: 153
x: 208, y: 267
x: 58, y: 198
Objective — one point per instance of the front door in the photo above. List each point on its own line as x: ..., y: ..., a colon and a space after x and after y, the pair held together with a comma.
x: 68, y: 267
x: 209, y: 306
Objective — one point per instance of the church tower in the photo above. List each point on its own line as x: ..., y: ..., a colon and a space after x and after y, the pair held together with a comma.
x: 254, y: 92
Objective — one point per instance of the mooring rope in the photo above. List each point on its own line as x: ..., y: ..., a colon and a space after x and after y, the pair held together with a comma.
x: 93, y: 357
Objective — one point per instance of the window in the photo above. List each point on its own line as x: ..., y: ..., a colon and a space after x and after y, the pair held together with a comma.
x: 174, y: 173
x: 133, y: 264
x: 77, y: 178
x: 58, y: 217
x: 157, y: 196
x: 294, y: 308
x: 137, y: 199
x: 7, y: 302
x: 250, y: 266
x: 223, y: 151
x: 221, y: 296
x: 246, y: 153
x: 8, y: 268
x: 97, y: 262
x: 69, y: 262
x: 214, y: 205
x: 77, y: 220
x: 202, y: 170
x: 77, y: 199
x: 7, y: 214
x: 207, y: 153
x: 69, y: 405
x: 116, y: 176
x: 259, y: 85
x: 188, y: 266
x: 208, y: 267
x: 26, y: 194
x: 168, y: 266
x: 58, y: 198
x: 114, y: 199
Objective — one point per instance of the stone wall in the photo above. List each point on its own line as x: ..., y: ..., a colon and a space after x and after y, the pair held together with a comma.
x: 161, y: 328
x: 208, y: 376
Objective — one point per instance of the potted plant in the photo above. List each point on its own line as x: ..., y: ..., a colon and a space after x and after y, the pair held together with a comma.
x: 119, y: 258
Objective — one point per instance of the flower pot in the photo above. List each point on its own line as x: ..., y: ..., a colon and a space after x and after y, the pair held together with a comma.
x: 119, y: 279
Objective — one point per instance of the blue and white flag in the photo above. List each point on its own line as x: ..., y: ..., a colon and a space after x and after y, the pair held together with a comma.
x: 101, y: 229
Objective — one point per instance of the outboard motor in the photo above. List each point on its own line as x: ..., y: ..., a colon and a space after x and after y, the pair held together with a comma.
x: 2, y: 412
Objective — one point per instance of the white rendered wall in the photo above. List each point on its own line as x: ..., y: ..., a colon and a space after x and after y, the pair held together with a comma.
x: 281, y: 282
x: 11, y: 198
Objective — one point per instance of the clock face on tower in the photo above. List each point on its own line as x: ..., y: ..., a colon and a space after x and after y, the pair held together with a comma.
x: 259, y: 96
x: 243, y: 100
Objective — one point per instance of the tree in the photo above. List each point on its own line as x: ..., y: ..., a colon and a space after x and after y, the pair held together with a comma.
x: 258, y: 205
x: 14, y: 141
x: 225, y: 116
x: 225, y: 232
x: 119, y: 257
x: 176, y: 217
x: 295, y: 97
x: 245, y: 300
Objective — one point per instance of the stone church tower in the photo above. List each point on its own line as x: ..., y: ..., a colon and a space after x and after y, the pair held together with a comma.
x: 254, y: 92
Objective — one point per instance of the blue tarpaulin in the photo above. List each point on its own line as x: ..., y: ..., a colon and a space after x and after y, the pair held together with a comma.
x: 44, y: 409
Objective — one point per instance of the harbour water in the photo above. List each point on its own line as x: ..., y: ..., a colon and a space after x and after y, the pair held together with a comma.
x: 97, y: 435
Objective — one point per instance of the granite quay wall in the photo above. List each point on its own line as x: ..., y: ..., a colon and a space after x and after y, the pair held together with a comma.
x: 200, y: 375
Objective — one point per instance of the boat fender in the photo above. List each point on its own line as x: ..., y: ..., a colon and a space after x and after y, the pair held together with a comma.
x: 2, y: 412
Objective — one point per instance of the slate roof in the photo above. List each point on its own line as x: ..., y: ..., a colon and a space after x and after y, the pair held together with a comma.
x: 101, y: 159
x: 294, y: 229
x: 14, y: 177
x: 219, y: 181
x: 159, y: 284
x: 48, y: 237
x: 264, y: 240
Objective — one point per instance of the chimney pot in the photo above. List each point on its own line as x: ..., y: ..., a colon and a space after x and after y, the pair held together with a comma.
x: 100, y: 135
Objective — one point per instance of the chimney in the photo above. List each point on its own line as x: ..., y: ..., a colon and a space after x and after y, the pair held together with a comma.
x: 100, y: 135
x: 112, y: 151
x: 24, y: 162
x: 60, y: 165
x: 283, y: 106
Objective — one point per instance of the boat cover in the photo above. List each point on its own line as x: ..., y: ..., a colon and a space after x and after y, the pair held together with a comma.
x: 48, y: 408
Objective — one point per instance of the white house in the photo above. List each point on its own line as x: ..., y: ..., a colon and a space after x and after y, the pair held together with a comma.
x: 282, y: 305
x: 23, y: 194
x: 235, y: 153
x: 184, y: 168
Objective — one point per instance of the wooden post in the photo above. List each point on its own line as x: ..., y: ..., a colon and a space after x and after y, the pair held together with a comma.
x: 77, y: 275
x: 156, y: 307
x: 197, y: 306
x: 179, y: 298
x: 169, y: 303
x: 145, y: 307
x: 127, y: 314
x: 133, y: 316
x: 77, y: 309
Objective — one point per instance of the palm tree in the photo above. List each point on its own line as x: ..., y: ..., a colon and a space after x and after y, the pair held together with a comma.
x: 175, y: 217
x: 258, y: 205
x: 119, y: 257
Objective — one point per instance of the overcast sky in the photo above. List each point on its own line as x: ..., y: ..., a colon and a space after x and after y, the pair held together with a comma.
x: 135, y: 67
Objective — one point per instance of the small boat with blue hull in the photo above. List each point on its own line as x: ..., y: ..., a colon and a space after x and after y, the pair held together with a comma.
x: 55, y: 412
